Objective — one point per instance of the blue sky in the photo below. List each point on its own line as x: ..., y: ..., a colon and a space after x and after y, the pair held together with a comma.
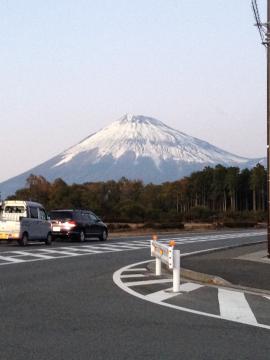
x: 68, y: 68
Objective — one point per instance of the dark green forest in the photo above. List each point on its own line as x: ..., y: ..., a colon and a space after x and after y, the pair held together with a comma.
x: 211, y: 195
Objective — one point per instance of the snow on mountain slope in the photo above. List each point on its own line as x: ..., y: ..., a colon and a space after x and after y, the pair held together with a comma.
x: 148, y: 137
x: 137, y: 147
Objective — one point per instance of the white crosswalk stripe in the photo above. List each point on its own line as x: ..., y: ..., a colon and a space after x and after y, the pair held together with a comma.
x: 234, y: 306
x: 39, y: 256
x: 10, y: 259
x: 16, y: 256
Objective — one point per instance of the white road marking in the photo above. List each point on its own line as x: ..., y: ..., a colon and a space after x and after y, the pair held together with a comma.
x: 161, y: 295
x: 157, y: 300
x: 11, y: 259
x: 61, y: 252
x: 39, y: 256
x: 137, y: 269
x: 147, y: 282
x: 188, y: 287
x: 102, y: 248
x: 132, y: 276
x: 89, y: 251
x: 234, y: 306
x: 267, y: 297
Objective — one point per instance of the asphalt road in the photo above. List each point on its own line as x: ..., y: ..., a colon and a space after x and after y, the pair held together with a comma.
x: 60, y: 302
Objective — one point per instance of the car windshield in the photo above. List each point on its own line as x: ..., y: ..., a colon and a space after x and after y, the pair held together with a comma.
x: 61, y: 215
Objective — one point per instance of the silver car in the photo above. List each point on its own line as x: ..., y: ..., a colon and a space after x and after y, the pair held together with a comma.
x: 23, y: 221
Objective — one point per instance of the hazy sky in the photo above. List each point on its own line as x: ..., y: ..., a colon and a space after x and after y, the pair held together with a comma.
x: 68, y: 68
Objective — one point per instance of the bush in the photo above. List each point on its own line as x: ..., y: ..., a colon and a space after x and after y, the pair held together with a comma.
x: 240, y: 224
x: 119, y: 227
x: 200, y: 213
x: 163, y: 226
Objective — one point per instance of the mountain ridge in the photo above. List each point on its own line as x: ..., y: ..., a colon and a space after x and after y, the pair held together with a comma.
x: 134, y: 146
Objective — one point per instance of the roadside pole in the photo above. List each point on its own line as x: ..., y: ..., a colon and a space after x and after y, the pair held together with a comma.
x: 268, y: 122
x: 176, y: 271
x: 264, y: 31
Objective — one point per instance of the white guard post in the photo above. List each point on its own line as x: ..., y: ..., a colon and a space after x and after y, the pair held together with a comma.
x: 170, y: 257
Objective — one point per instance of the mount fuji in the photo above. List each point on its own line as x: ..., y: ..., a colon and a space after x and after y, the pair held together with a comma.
x: 135, y: 146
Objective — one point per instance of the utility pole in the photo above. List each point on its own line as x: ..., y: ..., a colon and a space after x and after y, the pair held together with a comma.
x: 268, y: 121
x: 264, y: 31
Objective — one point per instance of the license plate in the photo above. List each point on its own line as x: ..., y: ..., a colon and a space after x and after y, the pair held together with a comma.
x: 3, y: 236
x: 56, y: 228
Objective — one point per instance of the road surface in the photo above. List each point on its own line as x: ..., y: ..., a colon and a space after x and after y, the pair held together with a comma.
x: 64, y: 302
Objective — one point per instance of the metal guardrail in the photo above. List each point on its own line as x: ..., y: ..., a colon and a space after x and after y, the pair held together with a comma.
x: 169, y: 256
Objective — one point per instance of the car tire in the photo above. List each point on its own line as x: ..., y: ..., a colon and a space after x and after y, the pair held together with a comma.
x: 49, y: 240
x: 24, y: 240
x: 82, y: 236
x: 103, y: 236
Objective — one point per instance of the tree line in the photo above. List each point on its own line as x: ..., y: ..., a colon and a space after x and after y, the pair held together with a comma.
x: 207, y: 195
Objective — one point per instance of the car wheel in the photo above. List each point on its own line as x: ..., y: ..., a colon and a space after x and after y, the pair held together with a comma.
x: 82, y: 236
x: 49, y: 239
x: 103, y: 236
x: 24, y: 240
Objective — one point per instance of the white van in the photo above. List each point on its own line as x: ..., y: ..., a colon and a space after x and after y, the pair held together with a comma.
x: 23, y: 221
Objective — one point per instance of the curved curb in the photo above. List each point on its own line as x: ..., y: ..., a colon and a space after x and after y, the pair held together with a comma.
x: 204, y: 278
x: 196, y: 276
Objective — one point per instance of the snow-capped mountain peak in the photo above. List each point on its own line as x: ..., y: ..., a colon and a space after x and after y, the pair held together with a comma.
x: 144, y: 136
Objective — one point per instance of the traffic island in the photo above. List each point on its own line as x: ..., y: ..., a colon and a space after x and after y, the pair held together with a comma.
x: 242, y: 267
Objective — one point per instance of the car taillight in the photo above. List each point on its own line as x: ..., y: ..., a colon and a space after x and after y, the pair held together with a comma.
x: 69, y: 224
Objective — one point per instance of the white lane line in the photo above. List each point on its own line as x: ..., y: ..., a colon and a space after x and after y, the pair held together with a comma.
x: 188, y: 287
x: 148, y: 282
x: 92, y: 249
x: 267, y: 297
x: 124, y: 247
x: 103, y: 248
x: 137, y: 269
x: 132, y: 276
x: 234, y: 306
x: 40, y: 256
x: 81, y: 249
x: 162, y: 295
x: 10, y: 259
x: 60, y: 252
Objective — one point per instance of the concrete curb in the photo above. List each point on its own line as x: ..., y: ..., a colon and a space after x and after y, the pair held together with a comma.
x: 204, y: 278
x: 213, y: 280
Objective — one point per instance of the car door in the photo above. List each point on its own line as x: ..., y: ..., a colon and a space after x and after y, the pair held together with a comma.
x: 43, y: 224
x: 86, y: 223
x: 96, y: 230
x: 33, y: 223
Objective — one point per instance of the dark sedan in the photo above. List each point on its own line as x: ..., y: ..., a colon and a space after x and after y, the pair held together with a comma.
x: 77, y: 225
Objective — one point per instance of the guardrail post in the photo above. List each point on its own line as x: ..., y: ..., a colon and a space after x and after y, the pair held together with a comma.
x: 176, y: 271
x: 158, y: 267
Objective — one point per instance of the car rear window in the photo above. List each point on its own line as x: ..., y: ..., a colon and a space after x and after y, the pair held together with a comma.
x: 14, y: 209
x: 61, y: 215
